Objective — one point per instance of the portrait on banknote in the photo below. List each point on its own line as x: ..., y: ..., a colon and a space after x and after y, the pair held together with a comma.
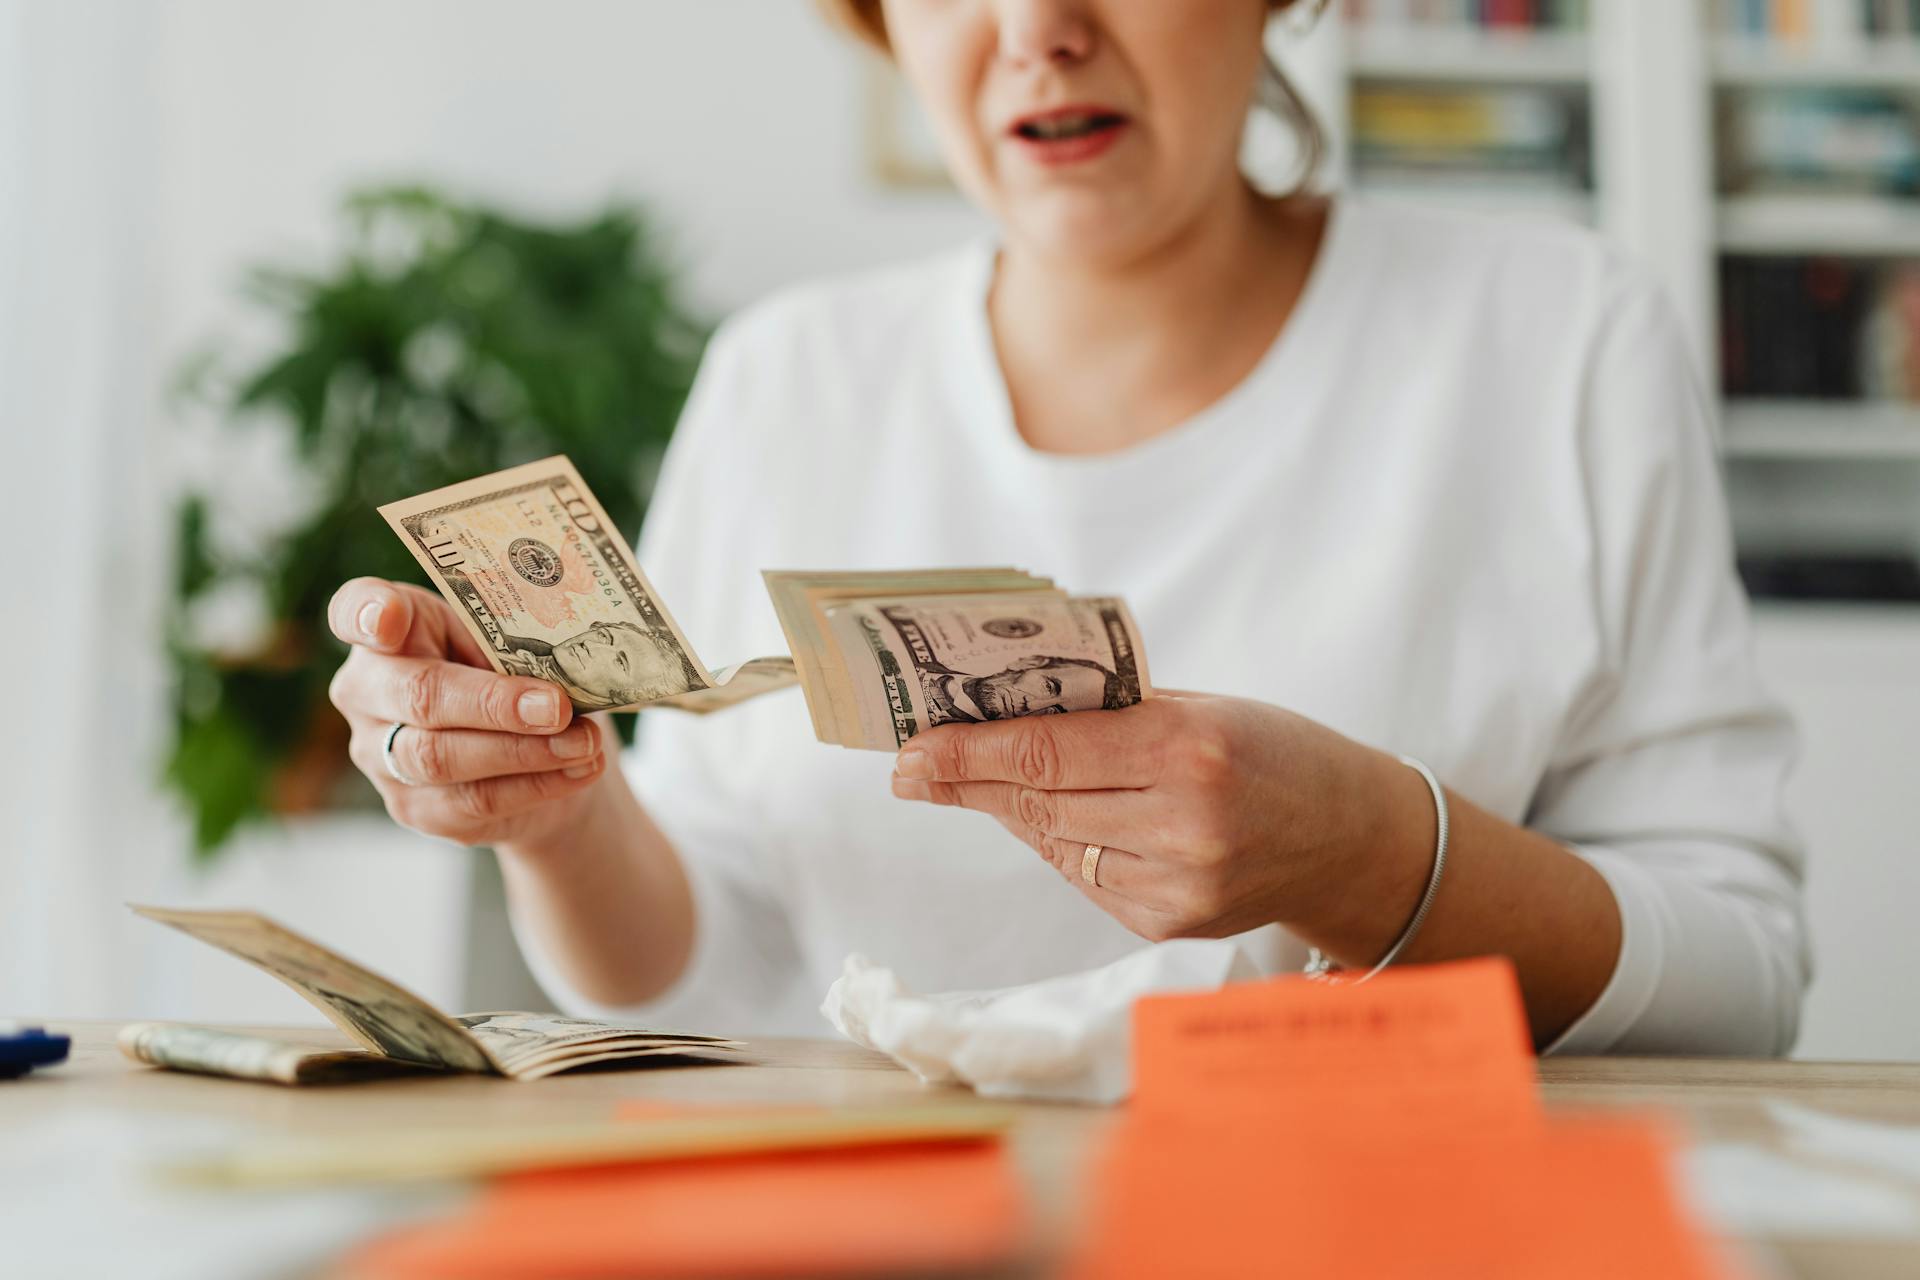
x: 970, y: 659
x: 548, y: 588
x: 971, y: 669
x: 610, y: 664
x: 1036, y: 685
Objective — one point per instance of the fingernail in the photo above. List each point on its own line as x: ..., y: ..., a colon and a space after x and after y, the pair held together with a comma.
x: 369, y: 619
x: 581, y: 771
x: 909, y: 790
x: 540, y: 708
x: 572, y: 744
x: 913, y: 764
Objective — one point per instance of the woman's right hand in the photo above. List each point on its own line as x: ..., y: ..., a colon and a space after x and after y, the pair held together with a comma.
x: 490, y: 759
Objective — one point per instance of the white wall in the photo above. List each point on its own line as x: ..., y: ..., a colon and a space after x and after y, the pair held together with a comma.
x: 76, y: 362
x: 738, y: 119
x: 1851, y: 675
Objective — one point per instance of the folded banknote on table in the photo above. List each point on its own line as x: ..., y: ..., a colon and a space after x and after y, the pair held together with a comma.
x: 397, y: 1030
x: 547, y: 588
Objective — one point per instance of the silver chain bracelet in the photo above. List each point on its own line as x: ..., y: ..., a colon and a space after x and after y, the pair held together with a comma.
x: 1320, y: 966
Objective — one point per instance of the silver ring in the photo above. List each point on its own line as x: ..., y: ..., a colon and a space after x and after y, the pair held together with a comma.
x: 386, y: 756
x: 1090, y: 864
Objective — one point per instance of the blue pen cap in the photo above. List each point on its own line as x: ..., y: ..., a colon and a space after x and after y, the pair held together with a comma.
x: 24, y: 1048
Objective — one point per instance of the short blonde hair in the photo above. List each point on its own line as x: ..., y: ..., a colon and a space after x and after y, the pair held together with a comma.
x: 1277, y: 93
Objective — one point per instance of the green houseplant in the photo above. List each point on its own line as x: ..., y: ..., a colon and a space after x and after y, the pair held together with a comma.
x: 448, y: 340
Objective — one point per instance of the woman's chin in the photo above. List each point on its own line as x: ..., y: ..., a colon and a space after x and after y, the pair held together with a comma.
x: 1083, y: 227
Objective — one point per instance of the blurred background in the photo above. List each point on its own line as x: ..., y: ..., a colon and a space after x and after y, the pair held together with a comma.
x: 266, y: 264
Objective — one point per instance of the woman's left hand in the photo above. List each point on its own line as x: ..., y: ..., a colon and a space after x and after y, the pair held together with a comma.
x: 1217, y: 815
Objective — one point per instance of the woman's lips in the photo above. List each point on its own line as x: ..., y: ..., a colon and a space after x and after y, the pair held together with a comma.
x: 1070, y: 135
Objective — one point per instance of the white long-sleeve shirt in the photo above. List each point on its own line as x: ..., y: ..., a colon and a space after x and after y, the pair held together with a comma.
x: 1465, y: 508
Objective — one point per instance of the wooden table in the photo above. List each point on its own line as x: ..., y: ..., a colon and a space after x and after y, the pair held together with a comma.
x: 1716, y: 1101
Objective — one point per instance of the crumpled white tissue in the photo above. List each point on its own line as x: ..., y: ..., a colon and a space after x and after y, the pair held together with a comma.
x: 1065, y: 1039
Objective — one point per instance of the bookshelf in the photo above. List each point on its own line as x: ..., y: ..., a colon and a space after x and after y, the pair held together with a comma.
x: 1848, y: 226
x: 1539, y: 82
x: 1815, y: 429
x: 1843, y: 226
x: 1468, y: 56
x: 1757, y: 62
x: 1820, y: 489
x: 1657, y: 82
x: 1573, y: 206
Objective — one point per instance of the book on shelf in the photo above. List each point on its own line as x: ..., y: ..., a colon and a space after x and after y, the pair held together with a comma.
x: 1820, y: 140
x: 1820, y: 328
x: 1487, y: 15
x: 1859, y: 575
x: 1535, y: 134
x: 1838, y: 24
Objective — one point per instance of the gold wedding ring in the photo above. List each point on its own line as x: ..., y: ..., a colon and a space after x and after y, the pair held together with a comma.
x: 1090, y: 864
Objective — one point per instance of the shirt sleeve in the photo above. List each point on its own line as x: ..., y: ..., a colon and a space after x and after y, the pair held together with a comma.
x: 694, y: 774
x: 1668, y: 775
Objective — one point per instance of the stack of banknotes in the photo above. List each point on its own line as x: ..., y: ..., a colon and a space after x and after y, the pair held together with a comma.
x: 395, y: 1029
x: 546, y: 586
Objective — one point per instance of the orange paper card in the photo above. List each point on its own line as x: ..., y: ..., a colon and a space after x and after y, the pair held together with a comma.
x: 1388, y: 1129
x: 1438, y: 1046
x: 862, y: 1212
x: 1585, y: 1199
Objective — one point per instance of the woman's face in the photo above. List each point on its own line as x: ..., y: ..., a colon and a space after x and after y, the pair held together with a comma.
x: 1094, y: 128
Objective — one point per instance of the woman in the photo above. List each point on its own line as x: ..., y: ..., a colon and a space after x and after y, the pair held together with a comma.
x: 1379, y: 481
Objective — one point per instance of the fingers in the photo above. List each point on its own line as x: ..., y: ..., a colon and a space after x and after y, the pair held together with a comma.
x: 1125, y: 884
x: 484, y: 811
x: 371, y: 612
x: 1127, y: 818
x: 439, y: 757
x: 1155, y: 896
x: 1152, y: 897
x: 1086, y: 750
x: 431, y: 694
x: 400, y: 618
x: 1117, y: 870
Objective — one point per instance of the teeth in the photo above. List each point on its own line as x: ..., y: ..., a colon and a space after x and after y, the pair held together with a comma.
x: 1061, y: 126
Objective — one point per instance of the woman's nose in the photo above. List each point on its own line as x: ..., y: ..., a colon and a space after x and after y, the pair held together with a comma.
x: 1041, y: 32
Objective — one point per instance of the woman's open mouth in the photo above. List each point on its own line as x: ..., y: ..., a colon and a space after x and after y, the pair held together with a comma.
x: 1069, y: 135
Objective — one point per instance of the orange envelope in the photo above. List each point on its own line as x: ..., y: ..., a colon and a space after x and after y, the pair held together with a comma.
x: 1587, y: 1199
x: 1388, y: 1130
x: 1426, y: 1047
x: 879, y: 1211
